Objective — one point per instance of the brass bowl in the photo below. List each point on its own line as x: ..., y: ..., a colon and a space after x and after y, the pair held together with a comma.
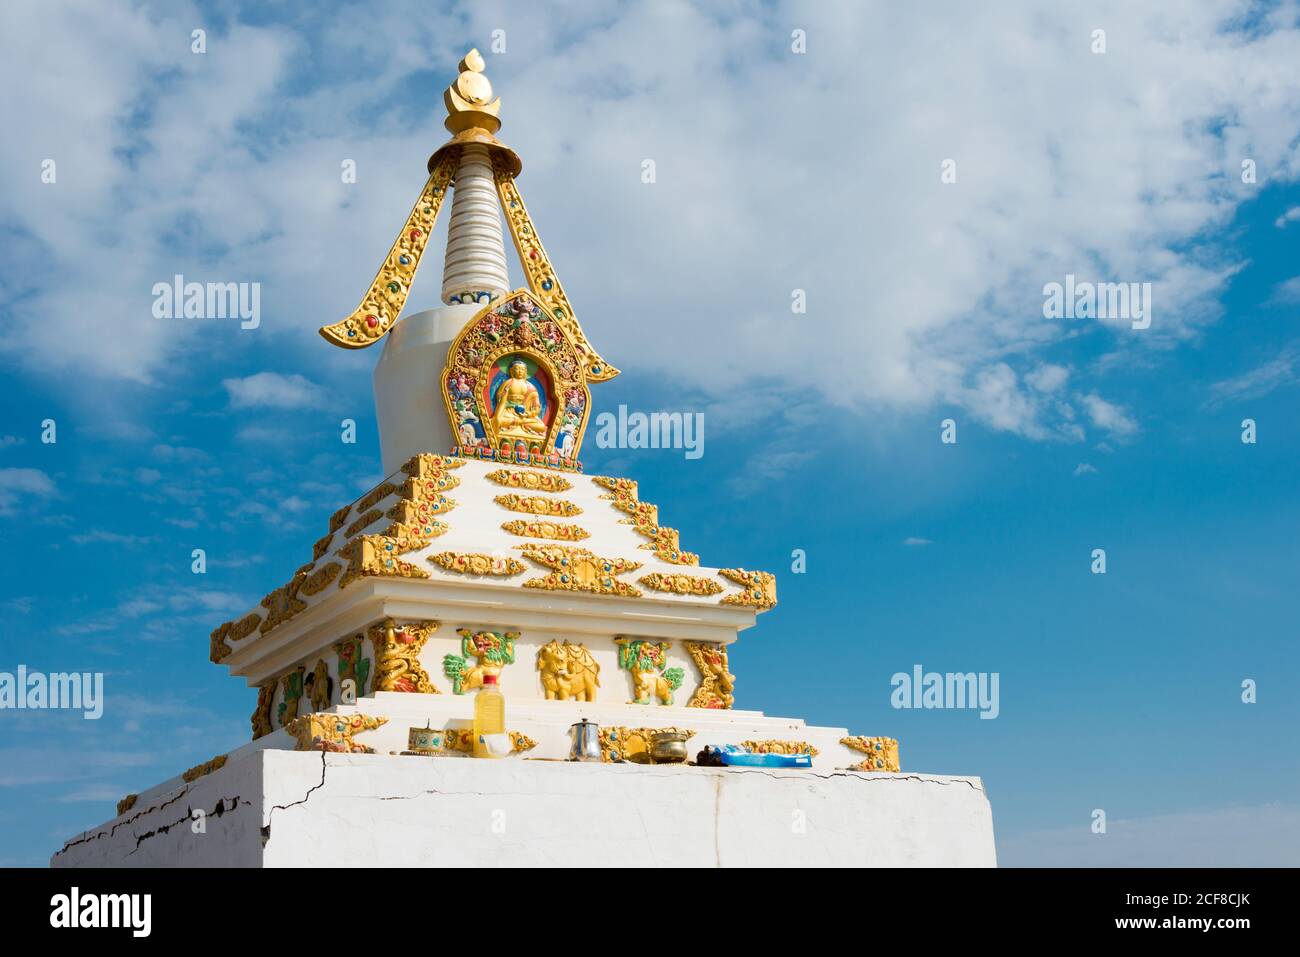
x: 668, y: 747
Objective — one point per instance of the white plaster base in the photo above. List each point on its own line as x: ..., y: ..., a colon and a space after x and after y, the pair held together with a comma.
x: 311, y: 809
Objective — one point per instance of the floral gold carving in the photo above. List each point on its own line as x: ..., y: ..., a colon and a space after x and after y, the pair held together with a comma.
x: 538, y: 505
x: 531, y: 481
x: 461, y: 740
x: 717, y: 683
x: 576, y: 569
x: 374, y: 497
x: 681, y: 584
x: 759, y: 588
x: 773, y: 746
x: 477, y: 563
x: 560, y: 531
x: 644, y: 517
x: 366, y: 520
x: 377, y: 556
x: 207, y: 767
x: 333, y: 732
x: 881, y: 753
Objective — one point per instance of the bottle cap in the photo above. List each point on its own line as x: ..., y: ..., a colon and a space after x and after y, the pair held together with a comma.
x: 489, y: 680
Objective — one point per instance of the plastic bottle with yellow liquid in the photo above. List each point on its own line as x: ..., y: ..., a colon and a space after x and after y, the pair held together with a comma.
x: 490, y: 719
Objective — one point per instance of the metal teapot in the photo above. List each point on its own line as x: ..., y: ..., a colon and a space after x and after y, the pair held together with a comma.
x: 585, y: 744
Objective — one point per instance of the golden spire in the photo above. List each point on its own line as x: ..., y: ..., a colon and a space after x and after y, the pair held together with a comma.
x: 469, y: 99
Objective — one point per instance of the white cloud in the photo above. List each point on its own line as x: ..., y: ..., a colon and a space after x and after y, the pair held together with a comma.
x: 1284, y: 370
x: 274, y: 391
x: 1083, y: 468
x: 99, y: 536
x: 919, y: 292
x: 1290, y: 216
x: 1107, y: 415
x: 1288, y: 291
x: 21, y: 485
x: 1048, y: 377
x: 914, y: 541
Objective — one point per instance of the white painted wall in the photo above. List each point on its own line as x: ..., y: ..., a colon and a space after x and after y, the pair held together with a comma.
x: 408, y: 384
x: 382, y: 810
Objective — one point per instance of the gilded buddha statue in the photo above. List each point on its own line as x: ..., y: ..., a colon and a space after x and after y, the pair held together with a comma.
x: 518, y: 406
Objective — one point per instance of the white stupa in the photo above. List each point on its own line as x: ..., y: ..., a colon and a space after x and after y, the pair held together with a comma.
x: 487, y: 550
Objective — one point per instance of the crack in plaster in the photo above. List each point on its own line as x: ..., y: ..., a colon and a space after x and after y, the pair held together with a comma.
x: 266, y: 828
x: 99, y: 835
x: 216, y: 812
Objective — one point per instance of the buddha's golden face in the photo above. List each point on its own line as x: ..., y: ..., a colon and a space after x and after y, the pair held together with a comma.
x: 518, y: 370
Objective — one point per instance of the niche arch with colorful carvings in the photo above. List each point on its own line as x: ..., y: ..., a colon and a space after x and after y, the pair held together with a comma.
x: 514, y: 380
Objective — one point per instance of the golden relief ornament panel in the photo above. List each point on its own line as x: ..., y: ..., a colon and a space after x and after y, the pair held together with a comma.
x: 477, y: 563
x: 532, y: 481
x: 681, y: 584
x: 538, y: 505
x: 366, y: 520
x: 881, y: 753
x: 383, y: 301
x: 758, y: 588
x: 559, y: 531
x: 576, y: 569
x: 461, y: 741
x: 333, y: 732
x: 645, y: 519
x: 377, y: 556
x: 773, y: 746
x: 204, y: 769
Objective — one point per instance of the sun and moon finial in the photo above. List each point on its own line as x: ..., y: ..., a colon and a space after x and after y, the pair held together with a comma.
x: 469, y: 99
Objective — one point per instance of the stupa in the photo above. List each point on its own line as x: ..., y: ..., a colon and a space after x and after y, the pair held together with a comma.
x: 488, y: 551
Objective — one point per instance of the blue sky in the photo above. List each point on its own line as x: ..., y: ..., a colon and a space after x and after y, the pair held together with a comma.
x: 775, y: 171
